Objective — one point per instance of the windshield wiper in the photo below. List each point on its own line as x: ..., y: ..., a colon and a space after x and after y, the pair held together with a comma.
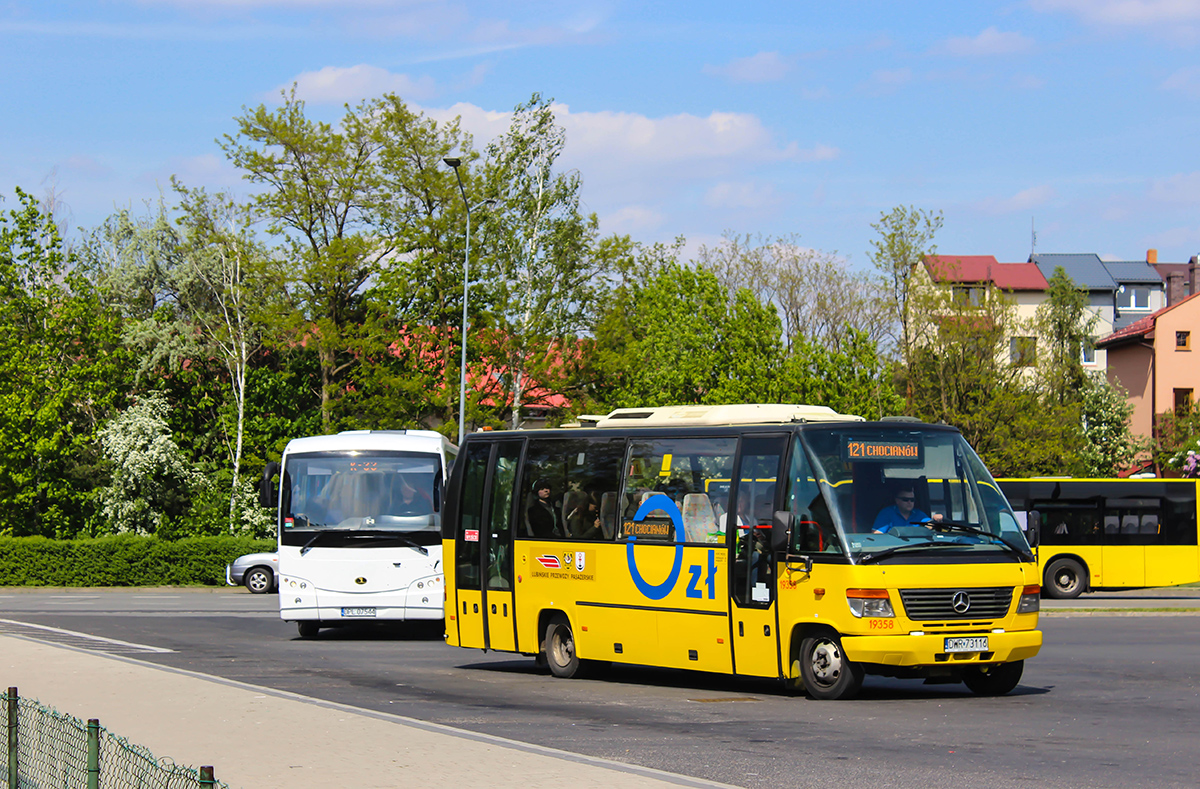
x: 945, y: 525
x: 308, y: 546
x: 384, y: 534
x: 876, y: 556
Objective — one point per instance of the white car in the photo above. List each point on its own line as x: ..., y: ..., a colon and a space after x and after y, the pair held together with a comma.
x: 257, y: 571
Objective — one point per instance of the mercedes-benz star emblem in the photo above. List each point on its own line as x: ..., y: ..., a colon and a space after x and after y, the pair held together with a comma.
x: 961, y: 602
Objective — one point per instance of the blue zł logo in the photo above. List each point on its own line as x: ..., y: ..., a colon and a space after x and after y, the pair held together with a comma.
x: 700, y: 574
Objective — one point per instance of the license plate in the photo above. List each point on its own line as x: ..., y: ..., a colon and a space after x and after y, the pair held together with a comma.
x: 972, y: 644
x: 367, y: 612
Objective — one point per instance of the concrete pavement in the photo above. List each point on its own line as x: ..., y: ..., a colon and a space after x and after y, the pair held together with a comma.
x: 258, y: 737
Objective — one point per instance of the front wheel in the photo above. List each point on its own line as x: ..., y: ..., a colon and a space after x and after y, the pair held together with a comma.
x: 994, y: 680
x: 827, y: 673
x: 1065, y: 579
x: 259, y: 580
x: 560, y: 649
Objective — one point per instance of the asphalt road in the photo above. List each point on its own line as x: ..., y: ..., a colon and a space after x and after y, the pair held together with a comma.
x: 1112, y: 700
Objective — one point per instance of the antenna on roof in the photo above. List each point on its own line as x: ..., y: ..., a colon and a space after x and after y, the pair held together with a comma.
x: 1033, y: 239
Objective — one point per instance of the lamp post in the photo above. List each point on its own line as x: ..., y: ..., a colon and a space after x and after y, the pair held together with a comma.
x: 454, y: 164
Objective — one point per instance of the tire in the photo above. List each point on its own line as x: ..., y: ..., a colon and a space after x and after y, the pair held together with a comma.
x: 560, y: 649
x: 994, y: 680
x: 308, y: 628
x: 1065, y: 579
x: 259, y: 580
x: 826, y: 671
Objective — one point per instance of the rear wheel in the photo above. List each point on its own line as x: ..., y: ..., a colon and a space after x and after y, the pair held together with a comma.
x: 560, y: 649
x: 825, y: 669
x: 994, y: 680
x: 1065, y: 579
x: 308, y: 628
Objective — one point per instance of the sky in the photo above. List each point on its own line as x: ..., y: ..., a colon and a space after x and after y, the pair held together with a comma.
x: 1079, y: 119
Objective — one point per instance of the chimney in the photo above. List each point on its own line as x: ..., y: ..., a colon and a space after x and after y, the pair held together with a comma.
x: 1191, y: 277
x: 1175, y: 288
x: 1151, y: 256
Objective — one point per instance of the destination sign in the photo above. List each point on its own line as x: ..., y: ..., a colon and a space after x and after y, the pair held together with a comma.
x: 880, y: 450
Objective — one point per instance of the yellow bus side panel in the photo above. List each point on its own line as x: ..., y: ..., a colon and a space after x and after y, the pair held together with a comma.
x: 1171, y: 565
x: 1124, y: 565
x: 451, y: 596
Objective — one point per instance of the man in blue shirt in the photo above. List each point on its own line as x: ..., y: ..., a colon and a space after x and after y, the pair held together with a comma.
x: 902, y: 513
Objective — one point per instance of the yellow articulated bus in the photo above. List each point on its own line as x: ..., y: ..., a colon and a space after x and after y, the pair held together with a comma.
x: 1111, y: 533
x: 760, y: 540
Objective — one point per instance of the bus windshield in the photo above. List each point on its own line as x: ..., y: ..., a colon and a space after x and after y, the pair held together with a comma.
x: 380, y: 493
x: 905, y: 493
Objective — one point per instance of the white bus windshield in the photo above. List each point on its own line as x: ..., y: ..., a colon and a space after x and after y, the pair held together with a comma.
x: 376, y: 492
x: 906, y: 492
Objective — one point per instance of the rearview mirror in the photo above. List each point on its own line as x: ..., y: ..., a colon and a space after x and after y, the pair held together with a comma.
x: 1033, y: 528
x: 268, y: 492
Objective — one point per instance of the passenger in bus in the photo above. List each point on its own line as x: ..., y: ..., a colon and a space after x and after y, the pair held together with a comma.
x: 903, y: 513
x: 540, y: 517
x: 583, y: 515
x: 408, y: 500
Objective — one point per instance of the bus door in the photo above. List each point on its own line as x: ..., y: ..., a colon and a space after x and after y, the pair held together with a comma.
x: 498, y: 547
x: 752, y: 567
x: 483, y: 546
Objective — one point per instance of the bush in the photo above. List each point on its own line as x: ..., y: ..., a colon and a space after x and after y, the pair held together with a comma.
x: 121, y: 560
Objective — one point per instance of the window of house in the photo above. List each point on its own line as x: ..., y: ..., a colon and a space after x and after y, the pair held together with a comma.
x: 1023, y: 351
x: 1183, y: 340
x: 1088, y: 351
x: 969, y: 294
x: 1130, y: 297
x: 1183, y: 401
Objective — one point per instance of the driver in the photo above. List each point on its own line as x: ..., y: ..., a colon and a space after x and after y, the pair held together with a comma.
x: 903, y: 513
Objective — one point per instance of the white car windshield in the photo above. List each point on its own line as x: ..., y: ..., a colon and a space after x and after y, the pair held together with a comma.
x: 905, y: 492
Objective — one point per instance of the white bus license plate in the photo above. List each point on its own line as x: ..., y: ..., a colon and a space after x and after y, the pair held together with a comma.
x: 974, y: 644
x: 371, y: 612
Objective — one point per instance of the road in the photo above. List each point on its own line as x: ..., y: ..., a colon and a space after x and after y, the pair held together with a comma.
x: 1113, y: 699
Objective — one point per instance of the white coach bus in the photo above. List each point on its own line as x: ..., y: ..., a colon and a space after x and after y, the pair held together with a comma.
x: 359, y: 524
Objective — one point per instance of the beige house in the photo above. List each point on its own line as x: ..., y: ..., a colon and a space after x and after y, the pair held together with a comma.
x: 1156, y: 360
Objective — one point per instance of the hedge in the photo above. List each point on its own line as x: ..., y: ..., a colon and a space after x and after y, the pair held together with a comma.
x: 121, y: 560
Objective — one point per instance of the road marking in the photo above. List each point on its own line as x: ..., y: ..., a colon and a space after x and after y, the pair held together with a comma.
x: 97, y: 643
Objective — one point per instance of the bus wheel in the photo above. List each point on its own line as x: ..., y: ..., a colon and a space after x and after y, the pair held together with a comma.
x: 994, y: 680
x: 308, y: 628
x: 825, y: 669
x: 1064, y: 579
x: 560, y: 649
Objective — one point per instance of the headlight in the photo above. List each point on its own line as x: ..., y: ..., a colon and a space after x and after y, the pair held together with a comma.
x: 1031, y: 600
x: 871, y: 603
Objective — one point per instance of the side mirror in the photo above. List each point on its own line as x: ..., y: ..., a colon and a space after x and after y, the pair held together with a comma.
x: 781, y: 530
x: 268, y: 491
x: 1033, y: 528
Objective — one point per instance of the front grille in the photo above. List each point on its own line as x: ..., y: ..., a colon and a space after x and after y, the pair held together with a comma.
x: 990, y: 602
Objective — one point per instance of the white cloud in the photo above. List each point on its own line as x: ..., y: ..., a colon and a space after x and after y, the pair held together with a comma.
x: 1180, y: 237
x: 1125, y: 13
x: 1185, y: 81
x: 632, y: 220
x: 1021, y: 201
x: 1182, y: 189
x: 887, y: 80
x: 763, y: 67
x: 336, y: 85
x: 989, y: 42
x: 741, y: 194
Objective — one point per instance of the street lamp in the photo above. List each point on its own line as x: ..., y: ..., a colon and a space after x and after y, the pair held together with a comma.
x: 454, y: 164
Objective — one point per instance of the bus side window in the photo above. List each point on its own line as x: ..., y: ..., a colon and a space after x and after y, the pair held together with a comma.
x: 812, y: 529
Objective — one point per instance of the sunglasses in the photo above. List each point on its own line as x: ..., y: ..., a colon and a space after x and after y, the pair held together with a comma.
x: 905, y: 498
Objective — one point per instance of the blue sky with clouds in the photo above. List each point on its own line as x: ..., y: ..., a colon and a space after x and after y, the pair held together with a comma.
x: 1082, y: 116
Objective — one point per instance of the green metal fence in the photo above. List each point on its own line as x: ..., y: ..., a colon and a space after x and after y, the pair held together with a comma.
x: 49, y: 749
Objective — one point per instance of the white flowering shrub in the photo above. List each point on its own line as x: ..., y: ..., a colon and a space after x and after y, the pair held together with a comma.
x: 151, y: 477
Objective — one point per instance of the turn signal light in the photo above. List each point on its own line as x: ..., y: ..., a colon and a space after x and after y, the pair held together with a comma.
x: 871, y: 603
x: 1031, y: 600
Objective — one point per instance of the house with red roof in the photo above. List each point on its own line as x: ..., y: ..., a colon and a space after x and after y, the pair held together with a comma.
x: 1156, y: 360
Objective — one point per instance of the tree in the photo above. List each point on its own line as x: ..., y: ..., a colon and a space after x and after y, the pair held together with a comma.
x: 1109, y: 445
x: 321, y: 192
x: 851, y: 380
x: 63, y: 371
x: 1065, y: 325
x: 544, y: 280
x: 816, y: 295
x: 905, y: 239
x: 152, y: 480
x: 677, y: 339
